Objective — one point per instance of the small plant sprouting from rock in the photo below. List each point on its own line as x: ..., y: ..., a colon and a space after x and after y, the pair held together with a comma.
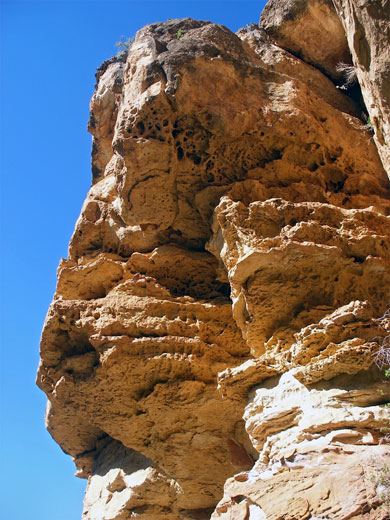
x: 369, y: 126
x: 382, y: 484
x: 381, y: 478
x: 382, y: 357
x: 349, y: 73
x: 179, y: 34
x: 382, y: 361
x: 123, y: 44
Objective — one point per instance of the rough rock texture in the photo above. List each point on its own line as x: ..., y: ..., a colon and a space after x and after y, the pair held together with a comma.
x: 367, y: 26
x: 227, y: 283
x: 310, y: 30
x: 341, y: 37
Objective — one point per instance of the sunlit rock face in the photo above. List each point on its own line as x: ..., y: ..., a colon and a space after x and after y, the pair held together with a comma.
x: 209, y: 352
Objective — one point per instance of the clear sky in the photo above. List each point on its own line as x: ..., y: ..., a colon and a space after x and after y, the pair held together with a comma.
x: 49, y: 53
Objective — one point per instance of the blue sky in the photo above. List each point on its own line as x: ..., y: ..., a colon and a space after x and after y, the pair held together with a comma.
x: 49, y: 53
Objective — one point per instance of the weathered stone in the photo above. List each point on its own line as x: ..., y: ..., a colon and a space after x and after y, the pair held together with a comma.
x: 124, y: 481
x: 291, y: 264
x: 314, y: 461
x: 222, y: 298
x: 367, y: 27
x: 280, y: 60
x: 310, y: 29
x: 337, y: 485
x: 103, y: 112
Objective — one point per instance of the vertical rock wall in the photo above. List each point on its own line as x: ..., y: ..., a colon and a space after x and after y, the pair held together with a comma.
x: 367, y: 27
x: 209, y: 352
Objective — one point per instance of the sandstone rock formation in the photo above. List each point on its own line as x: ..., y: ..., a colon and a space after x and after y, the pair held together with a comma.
x: 367, y: 26
x: 209, y: 351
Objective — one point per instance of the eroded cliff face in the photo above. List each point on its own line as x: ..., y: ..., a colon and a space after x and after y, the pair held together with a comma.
x: 209, y: 352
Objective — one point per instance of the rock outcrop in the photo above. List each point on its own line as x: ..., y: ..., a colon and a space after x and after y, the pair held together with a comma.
x: 367, y: 27
x: 209, y: 351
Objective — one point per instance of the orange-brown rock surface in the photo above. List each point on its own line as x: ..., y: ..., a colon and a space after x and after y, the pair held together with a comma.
x: 209, y: 351
x: 367, y: 27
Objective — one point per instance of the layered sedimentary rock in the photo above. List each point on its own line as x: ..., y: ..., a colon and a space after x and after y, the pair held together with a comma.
x: 209, y: 352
